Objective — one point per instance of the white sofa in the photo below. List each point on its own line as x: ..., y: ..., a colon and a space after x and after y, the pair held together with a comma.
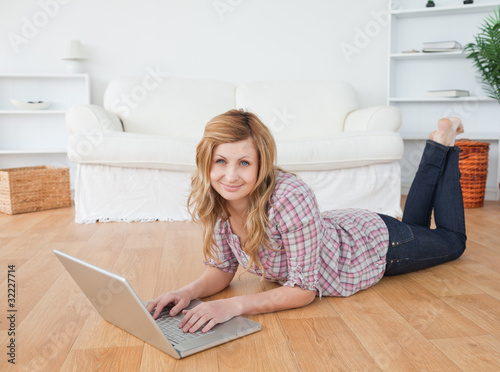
x: 136, y: 154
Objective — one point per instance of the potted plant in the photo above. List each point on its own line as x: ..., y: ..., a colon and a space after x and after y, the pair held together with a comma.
x: 430, y: 4
x: 485, y: 53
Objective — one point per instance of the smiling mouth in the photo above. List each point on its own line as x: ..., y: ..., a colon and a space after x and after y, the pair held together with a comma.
x: 231, y: 187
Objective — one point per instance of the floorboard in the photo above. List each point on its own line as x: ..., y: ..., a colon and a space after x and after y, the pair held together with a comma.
x: 446, y: 318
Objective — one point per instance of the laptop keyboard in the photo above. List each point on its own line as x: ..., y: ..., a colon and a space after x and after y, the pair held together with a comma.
x: 170, y: 327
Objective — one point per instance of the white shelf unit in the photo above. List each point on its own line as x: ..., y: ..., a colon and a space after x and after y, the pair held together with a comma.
x: 38, y: 137
x: 411, y: 75
x: 455, y: 7
x: 435, y: 55
x: 448, y: 100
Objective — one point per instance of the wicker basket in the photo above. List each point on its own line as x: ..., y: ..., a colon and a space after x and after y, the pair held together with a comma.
x: 474, y: 169
x: 32, y: 189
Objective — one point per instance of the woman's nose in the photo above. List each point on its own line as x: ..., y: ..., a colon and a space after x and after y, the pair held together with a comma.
x: 231, y: 174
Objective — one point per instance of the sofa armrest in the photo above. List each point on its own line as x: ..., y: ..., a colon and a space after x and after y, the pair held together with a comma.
x: 91, y: 117
x: 384, y: 118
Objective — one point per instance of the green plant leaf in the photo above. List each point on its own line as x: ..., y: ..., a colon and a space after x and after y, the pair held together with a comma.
x: 485, y: 54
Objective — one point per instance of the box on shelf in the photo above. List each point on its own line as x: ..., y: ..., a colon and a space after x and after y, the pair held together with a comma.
x: 31, y: 189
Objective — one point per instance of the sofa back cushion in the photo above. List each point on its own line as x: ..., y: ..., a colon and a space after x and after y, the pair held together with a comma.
x: 299, y: 109
x: 167, y: 106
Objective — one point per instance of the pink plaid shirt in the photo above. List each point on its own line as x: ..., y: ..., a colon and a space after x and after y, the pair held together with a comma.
x: 334, y: 253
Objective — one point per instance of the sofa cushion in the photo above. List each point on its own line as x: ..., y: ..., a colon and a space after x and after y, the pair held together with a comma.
x: 343, y: 150
x: 132, y: 150
x: 167, y: 106
x: 385, y: 118
x: 299, y: 109
x: 89, y: 117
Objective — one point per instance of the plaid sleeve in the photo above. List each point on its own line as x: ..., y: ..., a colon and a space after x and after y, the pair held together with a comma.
x: 225, y: 258
x: 300, y: 225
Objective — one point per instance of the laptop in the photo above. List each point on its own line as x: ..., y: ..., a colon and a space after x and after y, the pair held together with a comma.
x: 117, y: 303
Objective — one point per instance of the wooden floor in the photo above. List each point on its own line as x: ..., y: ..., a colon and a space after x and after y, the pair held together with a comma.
x: 442, y: 319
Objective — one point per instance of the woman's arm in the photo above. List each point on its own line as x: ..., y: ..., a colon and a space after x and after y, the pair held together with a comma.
x: 282, y: 298
x: 210, y: 282
x: 220, y: 311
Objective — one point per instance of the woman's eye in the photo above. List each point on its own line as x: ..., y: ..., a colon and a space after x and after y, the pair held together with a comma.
x: 245, y: 163
x: 220, y: 161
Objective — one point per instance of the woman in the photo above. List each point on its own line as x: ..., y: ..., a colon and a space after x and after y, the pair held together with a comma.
x: 267, y: 220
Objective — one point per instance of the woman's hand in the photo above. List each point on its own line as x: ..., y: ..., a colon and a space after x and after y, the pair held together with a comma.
x: 210, y: 282
x: 220, y: 311
x: 211, y: 313
x: 180, y: 299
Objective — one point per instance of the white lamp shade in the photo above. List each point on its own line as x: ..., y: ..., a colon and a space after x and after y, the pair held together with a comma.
x: 74, y: 50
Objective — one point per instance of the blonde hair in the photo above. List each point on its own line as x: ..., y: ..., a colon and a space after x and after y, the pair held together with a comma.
x: 205, y: 205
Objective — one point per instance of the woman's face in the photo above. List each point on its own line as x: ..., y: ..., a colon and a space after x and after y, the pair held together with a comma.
x: 234, y: 170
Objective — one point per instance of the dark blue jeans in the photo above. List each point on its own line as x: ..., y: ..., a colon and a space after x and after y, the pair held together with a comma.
x: 413, y: 245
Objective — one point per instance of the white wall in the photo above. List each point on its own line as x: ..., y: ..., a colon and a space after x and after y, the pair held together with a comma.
x: 231, y: 40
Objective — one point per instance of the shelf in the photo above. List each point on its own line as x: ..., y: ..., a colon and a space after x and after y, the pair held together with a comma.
x: 436, y: 55
x: 32, y: 112
x: 448, y: 10
x: 33, y: 151
x: 412, y: 75
x: 32, y: 136
x: 431, y: 100
x: 480, y: 136
x: 43, y: 75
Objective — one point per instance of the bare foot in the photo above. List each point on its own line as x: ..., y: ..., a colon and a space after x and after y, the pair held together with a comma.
x: 448, y: 128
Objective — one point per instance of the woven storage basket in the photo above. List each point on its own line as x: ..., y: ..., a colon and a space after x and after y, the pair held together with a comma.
x: 32, y: 189
x: 474, y: 169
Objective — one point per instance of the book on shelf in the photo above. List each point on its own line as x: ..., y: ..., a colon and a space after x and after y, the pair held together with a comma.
x: 447, y: 93
x: 441, y: 46
x: 436, y: 50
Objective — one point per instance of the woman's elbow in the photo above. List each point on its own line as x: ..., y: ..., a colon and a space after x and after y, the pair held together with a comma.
x: 311, y: 295
x: 304, y: 297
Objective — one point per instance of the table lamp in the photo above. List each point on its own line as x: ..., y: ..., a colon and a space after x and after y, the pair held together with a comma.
x: 73, y: 53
